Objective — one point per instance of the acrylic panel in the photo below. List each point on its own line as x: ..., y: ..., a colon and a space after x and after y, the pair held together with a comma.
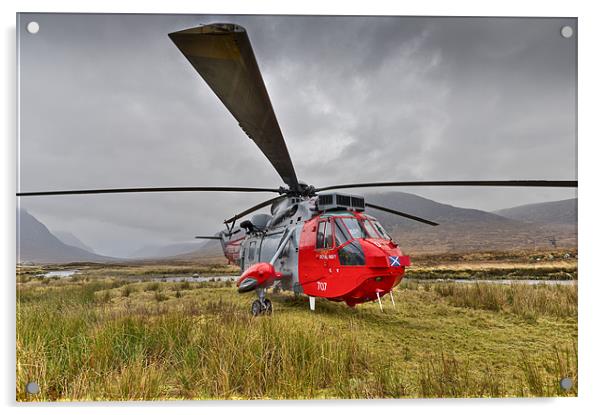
x: 295, y: 207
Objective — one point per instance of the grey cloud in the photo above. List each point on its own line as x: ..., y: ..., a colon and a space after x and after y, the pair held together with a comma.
x: 108, y: 101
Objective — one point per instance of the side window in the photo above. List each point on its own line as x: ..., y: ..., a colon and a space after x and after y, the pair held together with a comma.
x: 320, y: 235
x: 252, y: 251
x: 328, y: 235
x: 324, y: 235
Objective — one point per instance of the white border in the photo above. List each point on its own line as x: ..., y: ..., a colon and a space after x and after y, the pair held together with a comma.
x: 590, y: 94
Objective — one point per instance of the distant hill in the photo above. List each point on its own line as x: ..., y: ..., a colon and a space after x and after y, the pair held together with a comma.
x: 559, y: 212
x: 35, y: 243
x: 70, y: 239
x: 209, y: 250
x: 428, y: 209
x: 464, y: 230
x: 163, y: 251
x: 461, y: 230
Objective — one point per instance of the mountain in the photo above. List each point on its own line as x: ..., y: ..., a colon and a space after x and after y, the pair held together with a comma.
x: 464, y: 230
x: 69, y: 239
x: 558, y: 212
x: 428, y: 209
x: 461, y: 230
x: 208, y: 250
x: 35, y: 243
x: 162, y: 251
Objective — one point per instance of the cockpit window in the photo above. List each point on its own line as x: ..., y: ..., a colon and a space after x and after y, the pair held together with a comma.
x: 348, y: 229
x: 370, y: 230
x: 354, y: 227
x: 352, y: 254
x: 341, y: 233
x: 380, y: 229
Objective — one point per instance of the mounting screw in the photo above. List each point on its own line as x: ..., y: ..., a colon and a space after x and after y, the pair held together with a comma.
x: 566, y: 383
x: 566, y: 32
x: 33, y: 27
x: 32, y: 388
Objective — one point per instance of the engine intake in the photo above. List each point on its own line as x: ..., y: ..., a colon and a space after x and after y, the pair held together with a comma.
x: 332, y: 201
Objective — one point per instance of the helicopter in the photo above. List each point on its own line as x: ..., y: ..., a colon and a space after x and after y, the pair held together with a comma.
x: 316, y: 241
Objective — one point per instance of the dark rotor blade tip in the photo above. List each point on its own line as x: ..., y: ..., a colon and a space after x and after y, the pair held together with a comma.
x: 402, y: 214
x: 222, y: 55
x: 492, y: 183
x: 254, y: 208
x: 151, y: 190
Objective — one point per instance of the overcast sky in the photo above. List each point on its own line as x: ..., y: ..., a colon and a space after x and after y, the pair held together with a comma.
x: 109, y: 101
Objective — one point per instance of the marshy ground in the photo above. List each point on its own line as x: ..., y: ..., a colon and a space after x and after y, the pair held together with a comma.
x: 104, y: 334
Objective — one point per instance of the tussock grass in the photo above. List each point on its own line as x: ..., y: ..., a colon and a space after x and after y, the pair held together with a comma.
x: 565, y: 273
x: 89, y: 341
x: 180, y: 355
x: 562, y: 363
x: 153, y: 286
x: 159, y: 296
x: 127, y: 290
x: 444, y: 375
x: 525, y: 300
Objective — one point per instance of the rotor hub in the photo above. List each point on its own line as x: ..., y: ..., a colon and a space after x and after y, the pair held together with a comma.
x: 302, y: 190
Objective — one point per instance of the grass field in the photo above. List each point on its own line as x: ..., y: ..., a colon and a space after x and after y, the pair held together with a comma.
x: 98, y: 337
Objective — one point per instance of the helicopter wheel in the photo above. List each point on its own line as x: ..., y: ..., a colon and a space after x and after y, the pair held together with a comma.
x: 268, y: 306
x: 256, y: 308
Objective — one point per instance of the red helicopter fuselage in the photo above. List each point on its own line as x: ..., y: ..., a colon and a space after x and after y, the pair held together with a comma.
x: 340, y: 255
x: 347, y: 267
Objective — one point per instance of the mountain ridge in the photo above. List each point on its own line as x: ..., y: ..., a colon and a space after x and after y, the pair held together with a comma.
x: 459, y: 230
x: 35, y: 243
x: 558, y: 212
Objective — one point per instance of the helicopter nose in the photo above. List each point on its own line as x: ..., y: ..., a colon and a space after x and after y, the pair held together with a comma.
x: 384, y: 256
x: 396, y: 261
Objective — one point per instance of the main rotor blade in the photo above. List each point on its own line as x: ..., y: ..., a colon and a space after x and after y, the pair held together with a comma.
x: 151, y: 190
x: 405, y: 215
x: 207, y: 237
x: 501, y: 183
x: 223, y: 56
x: 254, y: 208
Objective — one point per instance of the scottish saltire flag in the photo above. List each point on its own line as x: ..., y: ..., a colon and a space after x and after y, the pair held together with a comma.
x: 394, y: 261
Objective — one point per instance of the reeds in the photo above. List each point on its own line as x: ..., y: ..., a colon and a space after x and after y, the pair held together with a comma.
x: 92, y: 341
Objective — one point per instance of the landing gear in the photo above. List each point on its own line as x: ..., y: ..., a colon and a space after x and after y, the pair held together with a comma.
x: 268, y: 306
x: 257, y: 308
x: 261, y: 305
